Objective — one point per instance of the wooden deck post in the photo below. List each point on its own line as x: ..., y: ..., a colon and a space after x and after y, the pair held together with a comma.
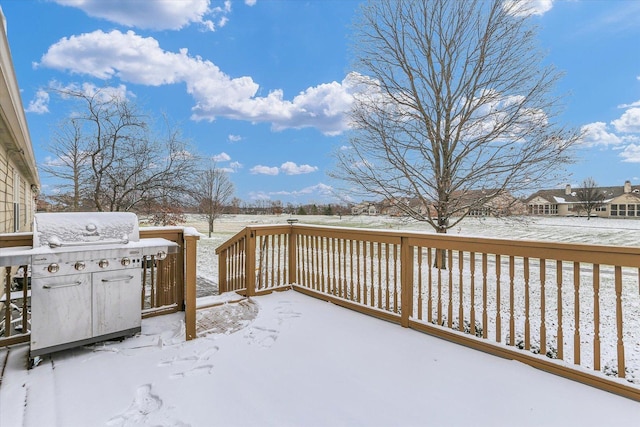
x: 293, y: 262
x: 190, y: 249
x: 222, y: 272
x: 406, y: 282
x: 250, y: 262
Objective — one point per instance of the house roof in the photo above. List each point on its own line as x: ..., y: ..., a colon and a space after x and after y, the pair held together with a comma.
x: 560, y: 196
x: 14, y: 134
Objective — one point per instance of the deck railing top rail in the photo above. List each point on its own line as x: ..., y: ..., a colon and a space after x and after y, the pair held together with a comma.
x: 628, y: 256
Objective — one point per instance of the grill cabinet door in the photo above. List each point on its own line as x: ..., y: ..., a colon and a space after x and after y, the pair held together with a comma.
x: 116, y: 301
x: 60, y: 310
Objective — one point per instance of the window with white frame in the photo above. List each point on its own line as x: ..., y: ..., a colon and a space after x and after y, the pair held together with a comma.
x: 16, y: 201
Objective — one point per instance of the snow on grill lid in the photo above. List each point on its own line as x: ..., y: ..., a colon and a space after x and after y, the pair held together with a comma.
x: 58, y: 229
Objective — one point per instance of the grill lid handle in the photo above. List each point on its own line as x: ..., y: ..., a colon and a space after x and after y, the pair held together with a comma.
x: 55, y: 242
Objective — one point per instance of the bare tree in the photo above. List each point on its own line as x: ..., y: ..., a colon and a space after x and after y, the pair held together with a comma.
x: 110, y: 155
x: 451, y: 97
x: 212, y: 191
x: 70, y: 164
x: 590, y: 196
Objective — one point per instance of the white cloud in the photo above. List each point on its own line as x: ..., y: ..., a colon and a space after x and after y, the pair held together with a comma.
x: 528, y: 7
x: 323, y: 189
x: 320, y: 189
x: 629, y: 122
x: 153, y: 14
x: 258, y: 195
x: 233, y: 167
x: 633, y: 104
x: 222, y: 157
x: 140, y: 60
x: 288, y: 168
x: 234, y: 138
x: 40, y: 104
x: 291, y: 168
x: 102, y: 93
x: 264, y: 170
x: 631, y: 154
x: 250, y: 2
x: 596, y: 134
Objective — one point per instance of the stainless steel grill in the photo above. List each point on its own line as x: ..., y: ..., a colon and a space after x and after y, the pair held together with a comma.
x: 86, y: 278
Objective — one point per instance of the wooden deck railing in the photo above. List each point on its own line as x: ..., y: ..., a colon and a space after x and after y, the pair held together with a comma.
x: 163, y: 291
x: 537, y: 302
x: 14, y: 312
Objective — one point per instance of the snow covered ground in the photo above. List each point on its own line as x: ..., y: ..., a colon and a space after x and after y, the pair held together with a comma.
x: 297, y: 362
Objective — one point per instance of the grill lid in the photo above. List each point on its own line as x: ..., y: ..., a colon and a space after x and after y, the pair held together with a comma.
x: 84, y: 228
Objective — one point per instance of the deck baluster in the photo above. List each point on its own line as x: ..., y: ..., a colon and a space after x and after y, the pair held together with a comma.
x: 619, y: 323
x: 596, y: 317
x: 512, y: 297
x: 498, y: 315
x: 527, y: 327
x: 560, y: 338
x: 576, y: 311
x: 460, y: 292
x: 485, y: 317
x: 472, y: 296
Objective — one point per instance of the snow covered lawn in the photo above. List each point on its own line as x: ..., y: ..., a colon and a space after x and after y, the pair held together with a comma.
x: 295, y: 361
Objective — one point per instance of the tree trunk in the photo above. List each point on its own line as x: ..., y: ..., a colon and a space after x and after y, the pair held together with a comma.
x: 440, y: 260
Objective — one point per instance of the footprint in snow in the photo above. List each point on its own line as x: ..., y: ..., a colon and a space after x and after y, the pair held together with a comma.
x: 198, y: 370
x: 144, y: 404
x: 196, y: 360
x: 285, y: 311
x: 264, y: 337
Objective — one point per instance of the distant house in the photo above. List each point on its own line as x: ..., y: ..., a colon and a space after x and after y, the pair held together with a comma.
x: 19, y: 179
x: 394, y: 206
x: 483, y: 202
x: 364, y: 208
x: 492, y: 202
x: 616, y: 202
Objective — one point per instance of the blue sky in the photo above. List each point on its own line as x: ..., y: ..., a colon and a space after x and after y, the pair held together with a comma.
x: 261, y: 85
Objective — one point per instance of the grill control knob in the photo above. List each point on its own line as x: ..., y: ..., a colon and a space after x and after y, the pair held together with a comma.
x: 125, y: 261
x: 53, y: 268
x: 103, y: 263
x: 161, y: 255
x: 80, y: 265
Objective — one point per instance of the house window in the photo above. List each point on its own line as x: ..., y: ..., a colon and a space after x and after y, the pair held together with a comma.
x: 27, y: 198
x: 545, y: 209
x: 631, y: 210
x: 614, y: 210
x: 16, y: 216
x: 622, y: 210
x: 602, y: 208
x: 16, y: 201
x: 483, y: 211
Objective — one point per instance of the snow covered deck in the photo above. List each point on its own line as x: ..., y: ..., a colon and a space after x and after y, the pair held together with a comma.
x: 288, y: 359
